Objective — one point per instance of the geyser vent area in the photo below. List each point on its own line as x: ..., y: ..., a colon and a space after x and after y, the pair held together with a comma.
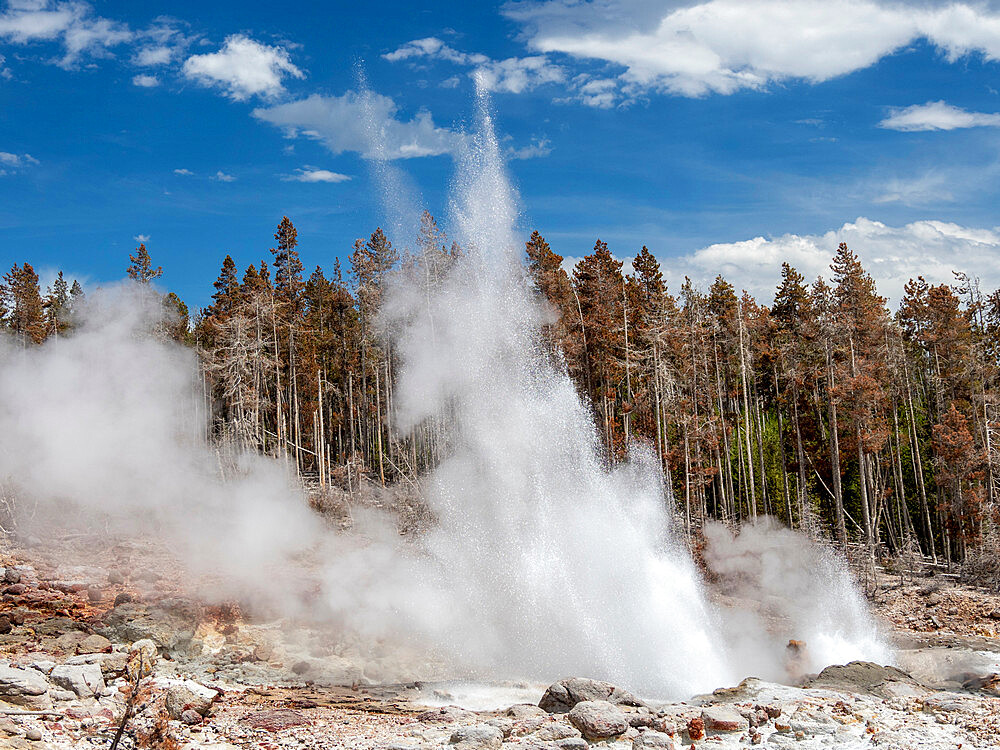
x: 543, y: 563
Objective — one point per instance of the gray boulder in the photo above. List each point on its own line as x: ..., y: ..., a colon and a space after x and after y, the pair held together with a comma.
x: 866, y: 677
x: 85, y: 680
x: 170, y: 625
x: 563, y: 695
x: 477, y: 737
x: 598, y: 720
x: 189, y: 696
x: 24, y: 687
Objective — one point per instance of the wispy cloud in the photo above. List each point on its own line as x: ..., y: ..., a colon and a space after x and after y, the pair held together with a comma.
x: 937, y: 116
x: 146, y: 82
x: 183, y: 172
x: 11, y: 163
x: 221, y: 176
x: 365, y: 123
x: 512, y: 75
x: 538, y: 147
x: 141, y: 238
x: 73, y: 24
x: 312, y: 174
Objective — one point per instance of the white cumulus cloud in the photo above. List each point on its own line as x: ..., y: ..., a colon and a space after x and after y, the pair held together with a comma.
x: 722, y: 46
x: 221, y: 176
x: 937, y: 116
x: 243, y: 68
x: 312, y: 174
x: 893, y: 255
x: 364, y: 123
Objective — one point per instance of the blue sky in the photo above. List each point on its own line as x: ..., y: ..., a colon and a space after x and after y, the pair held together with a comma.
x: 726, y: 135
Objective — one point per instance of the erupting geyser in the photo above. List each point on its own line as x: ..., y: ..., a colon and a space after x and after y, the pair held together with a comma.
x: 542, y: 564
x: 545, y: 563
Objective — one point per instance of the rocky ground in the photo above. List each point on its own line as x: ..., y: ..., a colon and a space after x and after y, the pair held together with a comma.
x: 116, y: 641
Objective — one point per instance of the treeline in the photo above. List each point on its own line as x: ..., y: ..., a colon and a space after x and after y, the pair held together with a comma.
x: 825, y: 409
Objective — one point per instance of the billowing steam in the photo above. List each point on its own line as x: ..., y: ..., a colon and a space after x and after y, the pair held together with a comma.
x: 542, y: 564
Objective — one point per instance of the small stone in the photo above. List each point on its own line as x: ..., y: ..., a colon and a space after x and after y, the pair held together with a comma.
x: 526, y: 711
x: 115, y: 577
x: 477, y: 737
x: 696, y: 729
x: 933, y: 600
x: 598, y: 720
x: 34, y: 734
x: 93, y: 644
x: 123, y: 598
x: 5, y: 625
x: 263, y: 652
x: 16, y: 590
x: 190, y: 716
x: 189, y: 695
x: 94, y: 594
x: 142, y: 656
x: 652, y: 739
x: 301, y: 667
x: 555, y: 731
x: 773, y: 712
x: 994, y: 615
x: 12, y: 575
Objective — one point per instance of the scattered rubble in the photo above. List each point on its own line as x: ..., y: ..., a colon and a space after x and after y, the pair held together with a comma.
x: 80, y: 645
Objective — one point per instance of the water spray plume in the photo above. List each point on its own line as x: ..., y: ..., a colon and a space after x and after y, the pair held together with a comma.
x: 542, y: 562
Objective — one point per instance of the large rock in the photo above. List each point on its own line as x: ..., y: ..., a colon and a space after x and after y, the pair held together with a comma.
x: 866, y: 677
x: 170, y: 625
x: 24, y: 687
x: 189, y: 695
x: 85, y: 680
x: 110, y: 663
x: 598, y: 720
x: 563, y: 695
x: 723, y: 719
x: 477, y: 737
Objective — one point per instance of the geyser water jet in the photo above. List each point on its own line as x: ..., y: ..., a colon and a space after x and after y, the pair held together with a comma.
x: 543, y: 563
x: 553, y: 565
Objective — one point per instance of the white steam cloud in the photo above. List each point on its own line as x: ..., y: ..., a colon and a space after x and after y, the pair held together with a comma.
x: 105, y: 427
